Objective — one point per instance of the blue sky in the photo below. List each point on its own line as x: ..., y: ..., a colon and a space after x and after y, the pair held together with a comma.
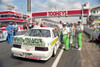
x: 44, y: 5
x: 48, y: 5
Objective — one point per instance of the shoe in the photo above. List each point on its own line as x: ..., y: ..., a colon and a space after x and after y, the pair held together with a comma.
x: 79, y: 48
x: 63, y: 47
x: 76, y: 47
x: 66, y: 50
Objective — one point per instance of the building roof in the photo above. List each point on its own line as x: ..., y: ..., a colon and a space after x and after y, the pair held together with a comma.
x: 95, y: 8
x: 13, y: 12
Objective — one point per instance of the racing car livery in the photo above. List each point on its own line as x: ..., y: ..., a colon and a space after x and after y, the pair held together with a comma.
x: 37, y: 43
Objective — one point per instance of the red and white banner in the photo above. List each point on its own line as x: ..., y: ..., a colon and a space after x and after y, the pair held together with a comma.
x: 60, y: 13
x: 39, y: 14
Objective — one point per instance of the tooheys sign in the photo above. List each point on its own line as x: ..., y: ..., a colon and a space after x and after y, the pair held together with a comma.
x: 61, y: 13
x: 57, y: 13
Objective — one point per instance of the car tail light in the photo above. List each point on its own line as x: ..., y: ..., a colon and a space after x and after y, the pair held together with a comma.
x: 16, y: 45
x: 41, y: 48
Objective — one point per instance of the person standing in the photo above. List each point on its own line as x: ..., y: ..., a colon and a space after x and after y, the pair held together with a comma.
x: 37, y: 25
x: 10, y: 29
x: 60, y: 30
x: 72, y: 35
x: 93, y: 32
x: 66, y: 32
x: 15, y: 29
x: 25, y: 27
x: 79, y: 30
x: 32, y: 25
x: 29, y: 25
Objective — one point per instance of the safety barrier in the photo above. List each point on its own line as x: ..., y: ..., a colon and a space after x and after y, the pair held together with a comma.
x: 90, y: 31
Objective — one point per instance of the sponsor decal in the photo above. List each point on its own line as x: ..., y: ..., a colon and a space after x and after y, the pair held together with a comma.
x: 28, y: 41
x: 54, y: 41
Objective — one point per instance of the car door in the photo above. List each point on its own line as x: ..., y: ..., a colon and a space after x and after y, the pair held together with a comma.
x: 56, y: 38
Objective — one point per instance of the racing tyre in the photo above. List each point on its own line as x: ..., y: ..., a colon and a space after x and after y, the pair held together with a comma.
x: 54, y: 51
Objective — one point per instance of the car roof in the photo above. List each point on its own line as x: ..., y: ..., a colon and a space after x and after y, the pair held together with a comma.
x: 47, y: 28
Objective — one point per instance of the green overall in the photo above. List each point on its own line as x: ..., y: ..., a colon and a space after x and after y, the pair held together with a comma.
x: 66, y: 41
x: 79, y: 38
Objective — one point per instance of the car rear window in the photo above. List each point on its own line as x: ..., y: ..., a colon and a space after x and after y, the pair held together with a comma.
x: 38, y: 33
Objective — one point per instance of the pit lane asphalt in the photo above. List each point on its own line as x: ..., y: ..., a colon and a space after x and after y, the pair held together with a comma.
x: 69, y: 58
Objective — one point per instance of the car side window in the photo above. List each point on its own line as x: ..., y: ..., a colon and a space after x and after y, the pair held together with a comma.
x: 55, y: 33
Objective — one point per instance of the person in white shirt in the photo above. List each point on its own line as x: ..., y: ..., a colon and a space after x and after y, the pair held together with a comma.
x: 72, y: 34
x: 66, y: 32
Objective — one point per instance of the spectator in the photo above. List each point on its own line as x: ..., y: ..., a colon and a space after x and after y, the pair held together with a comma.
x: 29, y: 25
x: 32, y: 25
x: 25, y: 27
x: 37, y: 25
x: 10, y: 29
x: 15, y: 29
x: 43, y: 25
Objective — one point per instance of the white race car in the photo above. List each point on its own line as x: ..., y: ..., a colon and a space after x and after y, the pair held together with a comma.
x: 37, y: 43
x: 3, y: 35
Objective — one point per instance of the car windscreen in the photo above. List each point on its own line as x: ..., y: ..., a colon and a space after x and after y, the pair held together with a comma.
x: 38, y: 33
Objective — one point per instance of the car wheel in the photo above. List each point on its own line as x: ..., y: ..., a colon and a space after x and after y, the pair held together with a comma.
x: 54, y: 51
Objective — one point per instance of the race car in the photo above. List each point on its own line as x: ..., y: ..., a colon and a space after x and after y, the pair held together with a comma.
x: 37, y: 43
x: 3, y: 35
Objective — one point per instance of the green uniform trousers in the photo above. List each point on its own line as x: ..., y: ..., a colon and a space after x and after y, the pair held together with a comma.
x: 66, y: 41
x: 79, y: 39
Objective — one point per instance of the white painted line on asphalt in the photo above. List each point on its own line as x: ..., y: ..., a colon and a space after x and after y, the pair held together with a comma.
x: 58, y: 58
